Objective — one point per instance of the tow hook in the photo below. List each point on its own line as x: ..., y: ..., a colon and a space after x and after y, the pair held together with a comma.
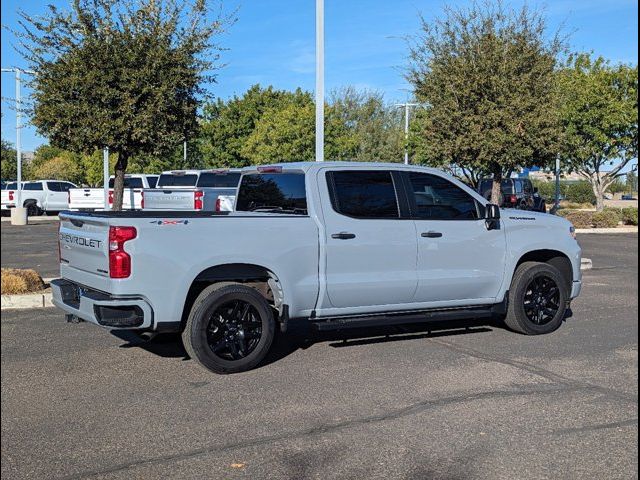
x: 71, y: 318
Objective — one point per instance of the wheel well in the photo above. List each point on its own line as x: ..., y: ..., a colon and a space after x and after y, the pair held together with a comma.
x: 552, y: 257
x: 255, y: 276
x: 30, y: 201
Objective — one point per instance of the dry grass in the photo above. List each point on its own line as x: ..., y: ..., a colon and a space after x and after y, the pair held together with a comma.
x: 16, y: 281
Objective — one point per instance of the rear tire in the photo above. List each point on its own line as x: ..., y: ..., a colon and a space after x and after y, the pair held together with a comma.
x: 33, y: 210
x: 537, y: 299
x: 230, y: 328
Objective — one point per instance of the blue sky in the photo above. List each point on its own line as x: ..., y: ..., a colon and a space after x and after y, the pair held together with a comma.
x: 273, y: 42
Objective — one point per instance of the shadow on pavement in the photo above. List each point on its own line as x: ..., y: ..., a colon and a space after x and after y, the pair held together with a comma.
x: 301, y: 335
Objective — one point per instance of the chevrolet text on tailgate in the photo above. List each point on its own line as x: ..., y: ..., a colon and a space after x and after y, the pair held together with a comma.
x: 336, y: 245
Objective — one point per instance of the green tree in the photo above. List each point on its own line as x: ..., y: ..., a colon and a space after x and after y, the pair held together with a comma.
x: 123, y: 74
x: 66, y: 166
x: 8, y: 161
x: 600, y: 119
x: 632, y: 181
x: 486, y: 76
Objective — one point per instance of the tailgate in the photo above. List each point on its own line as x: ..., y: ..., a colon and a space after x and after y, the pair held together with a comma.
x: 86, y: 198
x: 84, y: 245
x: 158, y: 199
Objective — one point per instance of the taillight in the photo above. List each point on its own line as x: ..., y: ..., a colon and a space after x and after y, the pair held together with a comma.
x: 513, y: 199
x: 218, y: 205
x: 198, y: 202
x: 11, y: 195
x: 270, y: 169
x: 119, y: 260
x: 59, y: 251
x: 110, y: 197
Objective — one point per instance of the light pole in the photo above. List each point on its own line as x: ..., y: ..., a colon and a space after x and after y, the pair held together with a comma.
x: 406, y: 106
x: 20, y: 215
x: 319, y: 80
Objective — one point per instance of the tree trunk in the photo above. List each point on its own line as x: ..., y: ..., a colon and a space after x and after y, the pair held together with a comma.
x: 598, y: 190
x: 118, y: 183
x: 496, y: 187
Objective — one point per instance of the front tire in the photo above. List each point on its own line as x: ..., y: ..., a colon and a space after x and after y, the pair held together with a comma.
x: 230, y: 328
x: 537, y: 299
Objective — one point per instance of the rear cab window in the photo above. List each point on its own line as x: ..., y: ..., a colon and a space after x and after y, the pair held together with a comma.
x: 129, y: 182
x: 219, y: 179
x: 273, y: 193
x: 177, y: 180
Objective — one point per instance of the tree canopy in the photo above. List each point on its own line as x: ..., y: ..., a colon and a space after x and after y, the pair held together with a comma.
x: 486, y: 77
x: 599, y: 119
x: 8, y: 161
x: 124, y: 74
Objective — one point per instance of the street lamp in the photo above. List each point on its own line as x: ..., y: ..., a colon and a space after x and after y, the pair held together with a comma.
x: 19, y: 217
x: 406, y: 107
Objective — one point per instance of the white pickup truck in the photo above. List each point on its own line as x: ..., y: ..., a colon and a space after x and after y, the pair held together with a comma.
x: 334, y: 244
x: 38, y: 197
x: 194, y: 190
x: 90, y: 199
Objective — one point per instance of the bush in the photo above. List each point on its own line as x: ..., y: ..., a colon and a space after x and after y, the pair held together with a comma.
x: 629, y: 216
x: 576, y: 206
x: 579, y: 192
x: 579, y: 218
x: 608, y: 218
x: 20, y: 281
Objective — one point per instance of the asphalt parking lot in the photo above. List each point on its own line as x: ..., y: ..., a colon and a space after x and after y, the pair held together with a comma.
x: 449, y: 401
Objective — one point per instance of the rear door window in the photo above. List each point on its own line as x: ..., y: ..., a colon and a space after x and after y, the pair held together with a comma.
x: 219, y: 179
x: 274, y: 193
x: 363, y: 193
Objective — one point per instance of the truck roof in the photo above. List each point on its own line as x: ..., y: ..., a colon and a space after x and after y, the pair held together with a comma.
x: 197, y: 172
x: 308, y: 166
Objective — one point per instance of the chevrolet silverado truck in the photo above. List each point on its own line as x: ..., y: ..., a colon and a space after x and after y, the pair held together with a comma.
x: 38, y: 197
x: 337, y: 245
x: 197, y: 190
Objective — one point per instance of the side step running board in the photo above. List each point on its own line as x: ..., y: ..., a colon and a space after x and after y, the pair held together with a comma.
x: 408, y: 317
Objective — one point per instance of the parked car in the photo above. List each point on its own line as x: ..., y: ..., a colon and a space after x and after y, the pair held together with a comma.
x: 90, y: 199
x: 628, y: 196
x: 197, y: 190
x: 38, y: 197
x: 515, y: 193
x: 335, y: 244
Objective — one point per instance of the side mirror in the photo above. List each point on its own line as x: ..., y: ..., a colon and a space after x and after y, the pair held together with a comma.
x: 492, y: 216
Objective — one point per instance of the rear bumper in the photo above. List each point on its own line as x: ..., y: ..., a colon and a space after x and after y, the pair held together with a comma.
x: 101, y: 308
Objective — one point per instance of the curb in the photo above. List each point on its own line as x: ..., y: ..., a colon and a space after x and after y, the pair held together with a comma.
x: 53, y: 218
x: 607, y: 230
x: 586, y: 264
x: 31, y: 300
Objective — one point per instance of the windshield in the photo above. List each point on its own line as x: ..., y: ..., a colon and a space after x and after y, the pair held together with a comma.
x: 274, y: 193
x: 177, y: 180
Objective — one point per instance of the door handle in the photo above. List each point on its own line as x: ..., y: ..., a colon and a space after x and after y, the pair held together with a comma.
x: 431, y: 234
x: 343, y: 236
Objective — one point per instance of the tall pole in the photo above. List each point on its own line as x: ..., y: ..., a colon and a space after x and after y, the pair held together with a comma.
x: 319, y: 80
x: 105, y: 173
x: 557, y: 195
x: 406, y: 106
x: 18, y: 140
x: 184, y: 154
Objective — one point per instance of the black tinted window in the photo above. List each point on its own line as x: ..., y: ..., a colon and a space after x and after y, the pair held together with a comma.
x: 219, y: 180
x: 64, y: 186
x: 54, y: 186
x: 11, y: 186
x: 152, y: 181
x: 487, y: 185
x: 364, y: 194
x: 32, y: 186
x: 438, y: 199
x: 177, y: 180
x: 277, y: 192
x: 128, y: 182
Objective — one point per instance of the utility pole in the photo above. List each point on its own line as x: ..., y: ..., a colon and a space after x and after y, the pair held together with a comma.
x: 105, y: 175
x: 406, y: 107
x: 18, y: 214
x: 319, y: 80
x: 557, y: 195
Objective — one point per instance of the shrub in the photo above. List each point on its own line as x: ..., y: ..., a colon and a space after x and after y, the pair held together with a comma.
x: 630, y: 216
x: 608, y: 218
x: 576, y: 206
x: 579, y: 218
x: 20, y: 281
x: 579, y: 192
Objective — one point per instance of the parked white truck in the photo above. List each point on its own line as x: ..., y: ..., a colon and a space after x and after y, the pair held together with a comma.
x: 333, y: 244
x: 194, y: 190
x: 38, y: 197
x: 90, y: 199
